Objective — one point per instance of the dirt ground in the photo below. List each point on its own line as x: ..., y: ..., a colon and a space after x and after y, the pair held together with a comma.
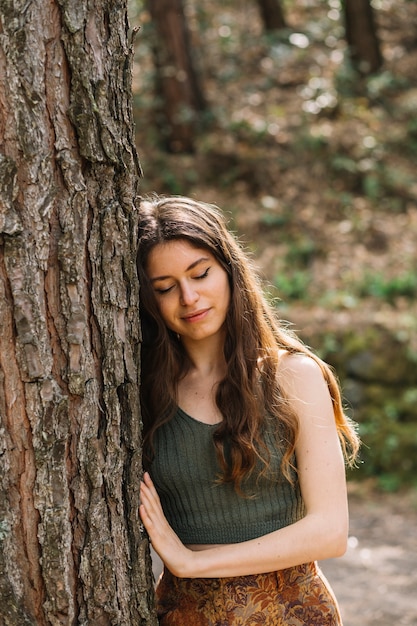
x: 376, y: 580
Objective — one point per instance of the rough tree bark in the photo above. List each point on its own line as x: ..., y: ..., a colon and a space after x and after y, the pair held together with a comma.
x: 72, y: 550
x: 361, y: 36
x: 177, y: 82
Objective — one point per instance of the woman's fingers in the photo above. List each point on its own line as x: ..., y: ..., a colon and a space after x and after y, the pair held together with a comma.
x: 149, y: 488
x: 148, y: 491
x: 150, y: 510
x: 164, y: 540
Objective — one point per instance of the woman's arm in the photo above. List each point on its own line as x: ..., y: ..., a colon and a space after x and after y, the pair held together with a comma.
x: 321, y: 534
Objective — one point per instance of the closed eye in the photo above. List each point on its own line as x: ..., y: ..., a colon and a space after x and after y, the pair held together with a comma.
x: 166, y: 290
x: 203, y: 275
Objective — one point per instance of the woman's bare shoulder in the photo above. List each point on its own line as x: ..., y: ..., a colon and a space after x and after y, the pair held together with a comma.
x: 297, y: 363
x: 298, y: 372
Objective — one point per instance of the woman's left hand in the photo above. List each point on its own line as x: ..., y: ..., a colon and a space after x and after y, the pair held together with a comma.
x: 164, y: 540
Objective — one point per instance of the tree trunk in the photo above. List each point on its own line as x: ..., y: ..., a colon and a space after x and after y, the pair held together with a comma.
x: 361, y: 36
x: 177, y: 83
x: 272, y: 14
x: 72, y: 549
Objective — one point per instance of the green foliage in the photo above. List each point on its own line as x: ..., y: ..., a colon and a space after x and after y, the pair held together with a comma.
x: 293, y: 281
x: 372, y: 186
x: 378, y: 285
x: 411, y: 133
x: 390, y: 450
x: 379, y: 383
x: 344, y: 163
x: 292, y: 285
x: 246, y: 131
x: 350, y: 83
x: 384, y: 83
x: 307, y: 142
x: 274, y: 220
x: 301, y: 252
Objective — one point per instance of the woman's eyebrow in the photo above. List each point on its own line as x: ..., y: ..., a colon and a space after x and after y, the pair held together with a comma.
x: 203, y: 259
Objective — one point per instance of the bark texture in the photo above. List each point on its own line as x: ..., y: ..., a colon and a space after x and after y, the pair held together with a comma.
x: 72, y: 549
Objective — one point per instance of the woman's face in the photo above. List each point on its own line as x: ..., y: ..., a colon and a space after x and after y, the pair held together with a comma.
x: 191, y: 289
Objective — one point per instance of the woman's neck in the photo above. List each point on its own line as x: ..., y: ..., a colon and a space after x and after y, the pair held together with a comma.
x: 207, y: 357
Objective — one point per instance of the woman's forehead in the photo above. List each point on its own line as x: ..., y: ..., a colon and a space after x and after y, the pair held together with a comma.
x: 174, y: 256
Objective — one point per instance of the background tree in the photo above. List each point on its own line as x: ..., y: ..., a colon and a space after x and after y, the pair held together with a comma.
x: 181, y: 98
x: 361, y: 35
x: 72, y: 550
x: 272, y: 14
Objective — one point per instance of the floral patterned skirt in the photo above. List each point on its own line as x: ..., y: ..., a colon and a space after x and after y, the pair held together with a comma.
x: 297, y: 596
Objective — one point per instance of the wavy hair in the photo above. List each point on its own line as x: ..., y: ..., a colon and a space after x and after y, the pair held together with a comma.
x: 250, y: 391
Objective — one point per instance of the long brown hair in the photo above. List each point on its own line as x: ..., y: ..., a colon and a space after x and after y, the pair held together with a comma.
x: 250, y: 390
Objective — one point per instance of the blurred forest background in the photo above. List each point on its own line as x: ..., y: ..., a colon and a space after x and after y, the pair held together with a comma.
x: 307, y: 138
x: 302, y: 126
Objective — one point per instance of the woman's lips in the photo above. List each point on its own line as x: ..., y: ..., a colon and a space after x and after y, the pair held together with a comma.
x: 196, y: 316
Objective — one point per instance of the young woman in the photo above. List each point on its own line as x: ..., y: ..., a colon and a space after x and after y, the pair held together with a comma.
x: 245, y: 437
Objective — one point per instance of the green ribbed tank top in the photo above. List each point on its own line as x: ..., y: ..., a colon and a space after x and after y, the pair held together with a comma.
x: 201, y: 511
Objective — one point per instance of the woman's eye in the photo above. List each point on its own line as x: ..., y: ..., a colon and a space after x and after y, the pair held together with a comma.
x: 203, y: 275
x: 166, y: 290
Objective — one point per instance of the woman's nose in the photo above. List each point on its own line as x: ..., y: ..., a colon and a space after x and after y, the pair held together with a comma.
x: 188, y: 295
